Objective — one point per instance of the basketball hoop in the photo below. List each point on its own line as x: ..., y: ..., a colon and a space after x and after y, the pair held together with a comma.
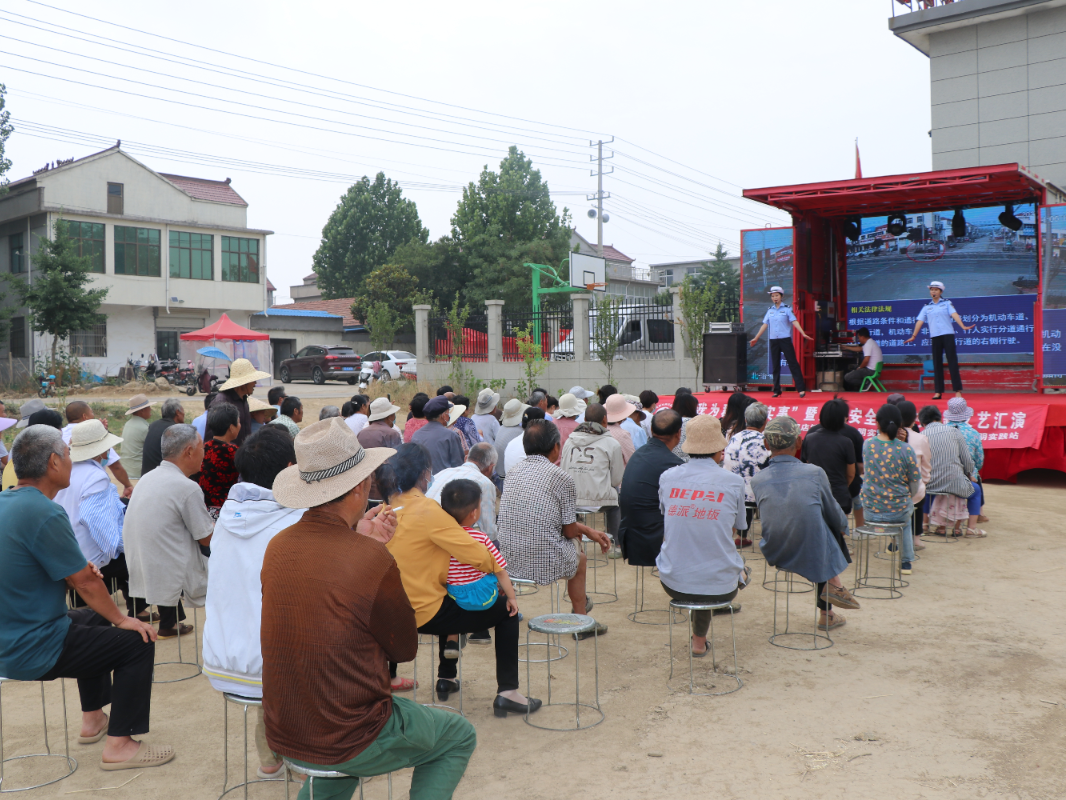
x: 596, y: 287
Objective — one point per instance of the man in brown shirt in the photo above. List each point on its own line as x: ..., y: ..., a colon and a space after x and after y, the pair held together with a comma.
x: 334, y: 614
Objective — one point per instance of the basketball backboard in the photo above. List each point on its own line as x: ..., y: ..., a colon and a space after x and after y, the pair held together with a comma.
x: 585, y: 270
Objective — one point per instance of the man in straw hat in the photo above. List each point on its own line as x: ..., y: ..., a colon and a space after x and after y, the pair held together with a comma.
x: 334, y: 614
x: 802, y: 524
x: 486, y: 415
x: 40, y: 639
x: 510, y: 428
x: 236, y: 391
x: 79, y: 411
x: 380, y: 431
x: 134, y: 432
x: 704, y: 505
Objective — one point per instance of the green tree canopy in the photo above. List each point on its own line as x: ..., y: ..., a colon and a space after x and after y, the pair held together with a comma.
x: 364, y: 230
x: 435, y: 265
x: 391, y: 286
x: 718, y: 272
x: 5, y: 131
x: 503, y: 220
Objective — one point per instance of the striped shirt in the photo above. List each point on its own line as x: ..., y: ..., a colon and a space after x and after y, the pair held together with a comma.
x: 460, y: 574
x: 951, y: 461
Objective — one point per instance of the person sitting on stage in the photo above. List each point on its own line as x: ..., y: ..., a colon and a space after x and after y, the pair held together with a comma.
x: 802, y: 524
x: 640, y: 533
x: 780, y: 320
x: 871, y: 357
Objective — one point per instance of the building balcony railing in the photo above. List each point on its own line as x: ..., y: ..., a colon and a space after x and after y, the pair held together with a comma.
x: 900, y: 7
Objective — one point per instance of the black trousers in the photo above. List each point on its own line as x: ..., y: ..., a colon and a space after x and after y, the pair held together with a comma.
x: 93, y: 650
x: 783, y: 347
x: 169, y: 615
x: 945, y: 346
x: 116, y: 571
x: 452, y: 619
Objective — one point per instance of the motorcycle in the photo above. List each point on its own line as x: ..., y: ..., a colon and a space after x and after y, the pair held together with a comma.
x: 48, y: 386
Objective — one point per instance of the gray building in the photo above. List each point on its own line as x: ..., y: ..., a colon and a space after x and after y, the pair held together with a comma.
x: 674, y: 272
x: 623, y: 278
x: 998, y: 80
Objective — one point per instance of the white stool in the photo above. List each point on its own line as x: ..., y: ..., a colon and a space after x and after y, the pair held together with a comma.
x: 712, y: 607
x: 555, y: 594
x: 434, y: 643
x: 558, y: 625
x: 787, y: 638
x: 244, y: 703
x: 69, y: 764
x: 641, y: 615
x: 321, y: 773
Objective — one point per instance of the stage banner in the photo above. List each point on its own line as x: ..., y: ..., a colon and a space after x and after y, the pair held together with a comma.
x: 1053, y: 256
x: 766, y: 260
x: 1001, y: 425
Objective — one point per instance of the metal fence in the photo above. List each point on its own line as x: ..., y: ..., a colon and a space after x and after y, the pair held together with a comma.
x: 553, y: 329
x: 475, y: 344
x: 910, y: 6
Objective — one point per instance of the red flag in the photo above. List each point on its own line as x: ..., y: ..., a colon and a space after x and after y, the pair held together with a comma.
x: 858, y: 161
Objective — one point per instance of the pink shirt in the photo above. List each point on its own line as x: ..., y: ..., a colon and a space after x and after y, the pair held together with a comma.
x: 566, y: 426
x: 623, y: 438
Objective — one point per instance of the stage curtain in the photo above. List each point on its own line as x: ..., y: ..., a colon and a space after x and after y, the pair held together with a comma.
x: 1005, y: 464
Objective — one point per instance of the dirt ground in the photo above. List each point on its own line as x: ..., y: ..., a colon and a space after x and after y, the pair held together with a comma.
x: 953, y: 691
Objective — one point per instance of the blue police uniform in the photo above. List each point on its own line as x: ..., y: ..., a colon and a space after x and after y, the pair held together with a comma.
x: 942, y: 336
x: 938, y: 317
x: 779, y: 323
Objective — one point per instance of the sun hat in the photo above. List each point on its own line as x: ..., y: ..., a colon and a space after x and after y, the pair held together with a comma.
x: 617, y: 408
x: 7, y: 422
x: 139, y: 402
x: 569, y: 406
x: 703, y: 435
x: 89, y: 439
x: 381, y: 408
x: 632, y: 399
x: 937, y: 285
x: 241, y: 373
x: 512, y: 413
x: 28, y: 409
x: 580, y: 393
x: 455, y: 413
x: 776, y: 289
x: 436, y: 406
x: 486, y: 401
x: 255, y: 405
x: 958, y: 411
x: 780, y: 433
x: 330, y: 462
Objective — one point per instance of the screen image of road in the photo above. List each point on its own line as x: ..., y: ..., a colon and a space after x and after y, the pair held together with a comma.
x: 766, y: 258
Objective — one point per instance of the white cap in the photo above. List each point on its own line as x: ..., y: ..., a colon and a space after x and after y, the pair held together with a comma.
x: 936, y: 285
x: 777, y: 289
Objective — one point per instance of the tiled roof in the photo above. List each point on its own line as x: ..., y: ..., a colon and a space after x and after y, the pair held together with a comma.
x: 270, y: 286
x: 312, y: 278
x: 282, y: 311
x: 613, y: 254
x: 203, y: 189
x: 342, y: 307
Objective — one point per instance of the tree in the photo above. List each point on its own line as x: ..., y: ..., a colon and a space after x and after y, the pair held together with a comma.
x: 371, y: 221
x: 5, y: 131
x: 435, y: 265
x: 605, y: 327
x: 382, y: 323
x: 718, y: 271
x: 700, y: 306
x: 502, y: 221
x: 59, y: 301
x: 390, y: 286
x: 532, y: 359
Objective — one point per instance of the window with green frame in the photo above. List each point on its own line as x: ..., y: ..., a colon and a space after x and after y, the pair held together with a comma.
x: 240, y: 259
x: 137, y: 251
x: 191, y: 255
x: 17, y: 245
x: 88, y: 241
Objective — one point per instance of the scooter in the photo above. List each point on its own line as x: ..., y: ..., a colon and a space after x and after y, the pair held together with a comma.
x: 48, y: 386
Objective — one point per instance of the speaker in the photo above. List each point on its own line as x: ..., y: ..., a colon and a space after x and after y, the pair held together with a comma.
x: 725, y: 357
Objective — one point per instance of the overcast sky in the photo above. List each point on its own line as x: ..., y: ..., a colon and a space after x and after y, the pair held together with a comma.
x: 723, y: 95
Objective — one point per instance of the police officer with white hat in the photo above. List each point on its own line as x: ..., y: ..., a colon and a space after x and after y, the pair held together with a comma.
x: 780, y: 320
x: 938, y: 314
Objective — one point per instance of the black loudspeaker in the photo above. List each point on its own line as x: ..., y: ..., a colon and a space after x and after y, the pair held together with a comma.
x: 725, y: 357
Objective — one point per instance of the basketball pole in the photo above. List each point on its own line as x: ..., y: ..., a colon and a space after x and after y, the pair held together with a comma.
x: 558, y: 286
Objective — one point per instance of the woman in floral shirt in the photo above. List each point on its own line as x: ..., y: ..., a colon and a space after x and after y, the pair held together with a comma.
x: 890, y: 479
x: 958, y: 416
x: 746, y: 453
x: 218, y: 473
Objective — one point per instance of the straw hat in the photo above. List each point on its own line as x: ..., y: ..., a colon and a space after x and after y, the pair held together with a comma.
x: 512, y: 413
x: 958, y: 411
x: 258, y: 405
x: 28, y: 409
x: 454, y: 413
x: 89, y: 439
x: 580, y: 393
x: 617, y: 408
x: 703, y: 435
x: 241, y: 373
x: 570, y: 406
x: 330, y: 462
x: 139, y: 402
x: 381, y: 408
x: 486, y: 401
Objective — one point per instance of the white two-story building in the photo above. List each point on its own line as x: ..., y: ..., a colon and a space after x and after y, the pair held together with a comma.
x: 174, y: 253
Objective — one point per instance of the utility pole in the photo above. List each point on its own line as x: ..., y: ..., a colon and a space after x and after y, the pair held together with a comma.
x: 599, y: 197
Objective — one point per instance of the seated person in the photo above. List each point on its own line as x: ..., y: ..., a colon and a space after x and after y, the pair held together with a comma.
x: 79, y: 411
x: 871, y: 357
x: 618, y: 410
x: 699, y: 562
x: 640, y: 533
x: 292, y: 412
x: 593, y: 458
x: 261, y: 413
x: 515, y: 452
x: 40, y: 640
x: 802, y: 524
x: 746, y: 454
x: 218, y: 473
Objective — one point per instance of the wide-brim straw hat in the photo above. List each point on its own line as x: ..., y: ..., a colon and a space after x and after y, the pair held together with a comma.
x: 139, y: 402
x: 512, y: 413
x: 89, y: 439
x: 27, y: 410
x: 958, y: 411
x: 255, y: 405
x: 487, y: 400
x: 454, y: 413
x: 570, y: 406
x: 381, y: 408
x: 330, y: 462
x: 241, y: 373
x: 703, y: 435
x: 617, y: 408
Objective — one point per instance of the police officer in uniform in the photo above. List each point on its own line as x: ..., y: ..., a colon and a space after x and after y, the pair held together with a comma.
x: 938, y: 314
x: 780, y: 320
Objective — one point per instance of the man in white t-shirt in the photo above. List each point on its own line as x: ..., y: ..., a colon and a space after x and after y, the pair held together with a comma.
x: 871, y: 357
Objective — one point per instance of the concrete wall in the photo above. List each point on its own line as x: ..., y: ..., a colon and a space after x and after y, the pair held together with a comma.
x: 999, y: 93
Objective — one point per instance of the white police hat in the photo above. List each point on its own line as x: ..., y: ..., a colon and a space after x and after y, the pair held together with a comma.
x: 936, y: 285
x: 777, y: 289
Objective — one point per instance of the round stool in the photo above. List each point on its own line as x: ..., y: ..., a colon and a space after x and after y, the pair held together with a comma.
x: 555, y: 594
x: 786, y: 637
x: 244, y: 703
x: 69, y: 764
x: 322, y: 773
x: 644, y: 616
x: 879, y: 587
x: 434, y: 643
x: 195, y: 664
x: 523, y: 588
x: 711, y: 607
x: 753, y: 549
x: 790, y: 583
x: 583, y: 516
x: 592, y: 569
x: 557, y: 625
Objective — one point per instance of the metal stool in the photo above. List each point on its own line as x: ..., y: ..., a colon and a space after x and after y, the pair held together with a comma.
x: 712, y: 607
x: 789, y: 639
x: 749, y: 534
x: 198, y: 667
x: 557, y: 625
x: 322, y: 773
x: 245, y: 703
x: 598, y: 559
x: 946, y: 537
x: 879, y: 587
x: 793, y: 584
x: 434, y: 643
x: 593, y: 563
x: 639, y: 610
x: 70, y: 764
x: 555, y: 593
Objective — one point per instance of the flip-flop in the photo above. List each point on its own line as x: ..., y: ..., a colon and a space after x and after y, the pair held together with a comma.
x: 148, y: 755
x: 706, y: 650
x: 406, y: 685
x: 100, y: 734
x: 271, y: 776
x: 974, y: 533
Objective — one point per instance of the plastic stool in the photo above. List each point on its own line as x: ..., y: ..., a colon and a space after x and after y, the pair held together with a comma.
x: 712, y: 607
x: 638, y: 606
x: 879, y: 587
x: 70, y: 763
x: 558, y: 625
x: 555, y: 593
x: 789, y: 639
x: 245, y: 703
x: 434, y: 643
x: 321, y: 773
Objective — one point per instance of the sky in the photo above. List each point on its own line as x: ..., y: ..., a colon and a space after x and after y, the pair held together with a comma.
x: 295, y: 102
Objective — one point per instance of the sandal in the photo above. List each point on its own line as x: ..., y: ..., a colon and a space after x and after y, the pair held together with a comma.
x: 834, y: 621
x: 405, y: 685
x: 974, y: 533
x: 148, y: 755
x: 100, y: 734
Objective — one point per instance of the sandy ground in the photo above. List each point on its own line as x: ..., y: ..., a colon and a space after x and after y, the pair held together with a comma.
x: 953, y: 691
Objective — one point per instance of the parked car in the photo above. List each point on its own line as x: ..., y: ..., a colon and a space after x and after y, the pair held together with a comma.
x: 321, y: 363
x: 641, y: 336
x: 395, y: 364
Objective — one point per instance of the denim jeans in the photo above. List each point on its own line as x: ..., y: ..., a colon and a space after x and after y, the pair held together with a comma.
x: 899, y: 518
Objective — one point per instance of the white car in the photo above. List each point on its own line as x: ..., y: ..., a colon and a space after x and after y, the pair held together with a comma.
x: 395, y: 364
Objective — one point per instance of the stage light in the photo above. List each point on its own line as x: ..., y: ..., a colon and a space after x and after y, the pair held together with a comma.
x: 958, y: 224
x: 853, y: 228
x: 897, y: 224
x: 1008, y: 220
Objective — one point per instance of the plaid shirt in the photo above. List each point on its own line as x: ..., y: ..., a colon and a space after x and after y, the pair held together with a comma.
x: 538, y: 500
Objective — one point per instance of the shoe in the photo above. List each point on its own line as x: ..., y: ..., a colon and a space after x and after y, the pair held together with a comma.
x: 614, y: 552
x: 802, y: 395
x: 734, y: 608
x: 599, y: 630
x: 742, y: 542
x: 100, y: 734
x: 776, y: 394
x: 170, y: 633
x: 828, y: 623
x: 446, y: 687
x: 839, y: 596
x: 501, y: 706
x: 918, y: 545
x: 147, y: 755
x: 905, y: 568
x: 277, y: 775
x: 451, y: 649
x: 479, y: 637
x: 892, y: 548
x: 588, y: 604
x: 144, y: 617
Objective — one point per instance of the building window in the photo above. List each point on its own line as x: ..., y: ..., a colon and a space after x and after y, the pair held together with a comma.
x: 88, y: 241
x: 16, y: 242
x: 90, y: 343
x: 166, y: 344
x: 136, y: 251
x: 114, y: 198
x: 240, y: 259
x: 17, y: 337
x: 191, y: 255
